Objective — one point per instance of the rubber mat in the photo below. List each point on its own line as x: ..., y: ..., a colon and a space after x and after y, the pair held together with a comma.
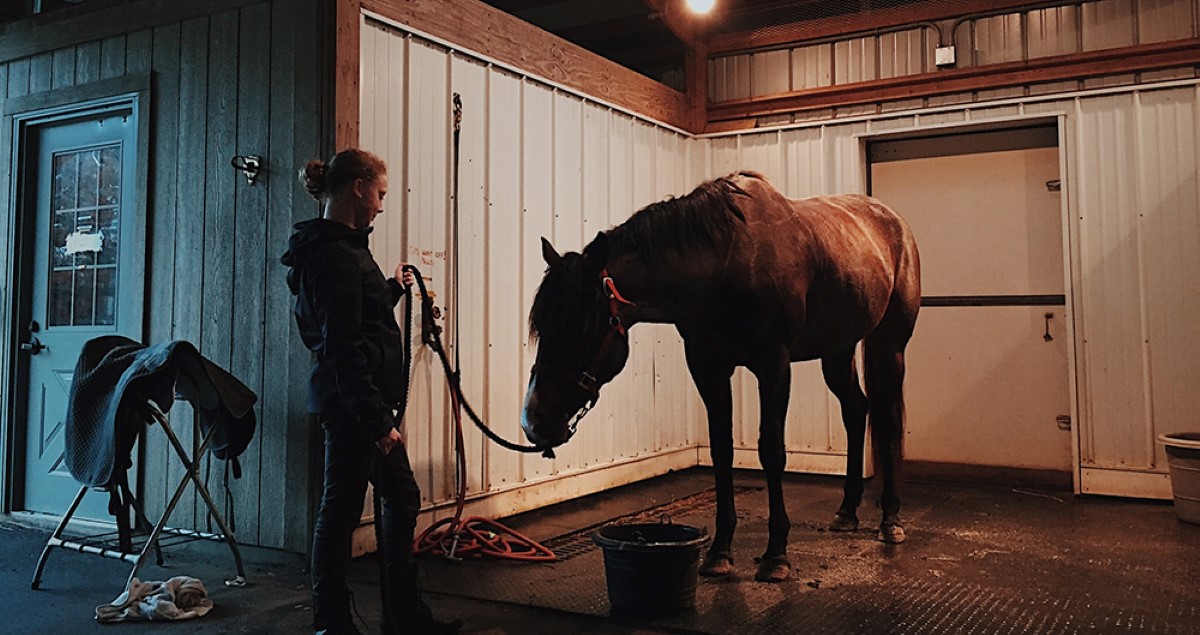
x: 977, y: 560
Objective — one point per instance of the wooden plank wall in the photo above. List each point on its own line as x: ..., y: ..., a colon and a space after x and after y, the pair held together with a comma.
x: 236, y: 79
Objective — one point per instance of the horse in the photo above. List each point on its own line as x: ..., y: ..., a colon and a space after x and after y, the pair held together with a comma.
x: 749, y: 278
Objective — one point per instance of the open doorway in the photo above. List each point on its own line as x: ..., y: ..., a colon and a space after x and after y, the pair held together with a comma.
x: 988, y: 390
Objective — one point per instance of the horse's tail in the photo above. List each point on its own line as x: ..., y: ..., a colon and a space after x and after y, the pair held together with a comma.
x: 885, y: 394
x: 884, y: 364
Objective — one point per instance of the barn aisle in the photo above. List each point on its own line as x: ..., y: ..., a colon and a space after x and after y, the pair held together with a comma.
x: 978, y: 559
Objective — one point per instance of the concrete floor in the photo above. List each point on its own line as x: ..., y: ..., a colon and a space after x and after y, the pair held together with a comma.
x: 978, y: 559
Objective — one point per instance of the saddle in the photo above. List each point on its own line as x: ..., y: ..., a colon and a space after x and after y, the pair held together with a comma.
x: 106, y: 407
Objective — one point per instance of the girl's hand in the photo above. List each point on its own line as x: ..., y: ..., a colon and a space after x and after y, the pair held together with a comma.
x: 390, y: 441
x: 405, y: 277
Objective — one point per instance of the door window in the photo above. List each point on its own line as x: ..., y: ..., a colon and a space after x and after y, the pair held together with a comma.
x: 84, y: 237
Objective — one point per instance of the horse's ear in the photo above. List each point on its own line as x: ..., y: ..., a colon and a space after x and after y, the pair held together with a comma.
x: 597, y: 251
x: 548, y: 254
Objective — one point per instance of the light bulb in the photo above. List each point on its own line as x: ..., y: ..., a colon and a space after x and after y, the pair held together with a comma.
x: 701, y: 6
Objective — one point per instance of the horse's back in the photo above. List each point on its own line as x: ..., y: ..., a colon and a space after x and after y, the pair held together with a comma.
x: 846, y: 261
x: 840, y: 230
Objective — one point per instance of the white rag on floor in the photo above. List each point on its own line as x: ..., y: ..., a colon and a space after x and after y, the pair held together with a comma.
x: 179, y: 598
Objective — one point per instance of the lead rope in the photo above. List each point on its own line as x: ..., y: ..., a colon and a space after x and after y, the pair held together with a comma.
x: 456, y: 537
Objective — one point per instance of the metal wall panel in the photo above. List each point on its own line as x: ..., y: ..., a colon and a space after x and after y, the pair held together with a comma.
x: 730, y: 77
x: 1163, y: 20
x: 1117, y: 407
x: 763, y: 154
x: 1168, y: 203
x: 855, y: 61
x: 904, y: 53
x: 468, y: 77
x: 426, y: 188
x: 506, y: 326
x: 670, y: 368
x: 535, y: 161
x: 812, y: 66
x: 597, y: 433
x: 997, y: 40
x: 639, y: 390
x: 770, y: 72
x: 1107, y: 24
x: 537, y: 219
x: 1053, y: 31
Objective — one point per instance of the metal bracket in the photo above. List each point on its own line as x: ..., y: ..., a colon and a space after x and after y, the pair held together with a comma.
x: 249, y: 165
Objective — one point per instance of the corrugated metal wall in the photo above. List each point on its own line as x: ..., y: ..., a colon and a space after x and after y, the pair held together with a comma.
x: 540, y: 161
x: 535, y: 161
x: 1087, y: 26
x: 1139, y: 222
x: 1132, y: 176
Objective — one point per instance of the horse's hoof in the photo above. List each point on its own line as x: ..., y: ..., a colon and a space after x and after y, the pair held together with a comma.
x: 892, y: 534
x: 774, y: 569
x: 844, y: 522
x: 716, y: 566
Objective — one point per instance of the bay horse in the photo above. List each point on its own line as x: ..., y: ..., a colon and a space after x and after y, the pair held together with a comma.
x: 749, y: 278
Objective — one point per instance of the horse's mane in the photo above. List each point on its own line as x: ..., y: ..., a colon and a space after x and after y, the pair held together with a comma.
x: 701, y: 218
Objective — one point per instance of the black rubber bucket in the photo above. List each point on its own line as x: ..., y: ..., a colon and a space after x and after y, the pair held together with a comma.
x: 651, y: 568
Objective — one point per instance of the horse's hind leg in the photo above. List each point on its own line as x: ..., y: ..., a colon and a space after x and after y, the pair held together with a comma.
x: 712, y: 381
x: 842, y: 379
x: 885, y: 392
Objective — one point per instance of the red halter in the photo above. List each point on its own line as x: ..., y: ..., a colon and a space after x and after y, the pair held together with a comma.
x: 587, y: 379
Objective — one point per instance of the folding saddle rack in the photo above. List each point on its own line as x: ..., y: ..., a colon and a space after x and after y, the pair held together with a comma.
x: 120, y: 389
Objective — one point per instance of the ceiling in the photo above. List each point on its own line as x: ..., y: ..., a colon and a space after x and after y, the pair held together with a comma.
x: 627, y: 32
x: 633, y: 34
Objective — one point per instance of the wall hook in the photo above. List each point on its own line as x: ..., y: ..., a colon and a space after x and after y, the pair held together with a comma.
x: 249, y: 165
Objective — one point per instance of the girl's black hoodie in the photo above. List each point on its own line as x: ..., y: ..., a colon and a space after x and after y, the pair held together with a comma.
x: 345, y: 309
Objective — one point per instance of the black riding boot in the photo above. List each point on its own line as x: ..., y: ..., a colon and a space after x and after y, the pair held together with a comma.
x: 404, y: 610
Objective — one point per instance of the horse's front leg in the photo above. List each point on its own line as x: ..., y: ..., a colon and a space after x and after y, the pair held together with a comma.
x: 774, y: 386
x: 712, y: 381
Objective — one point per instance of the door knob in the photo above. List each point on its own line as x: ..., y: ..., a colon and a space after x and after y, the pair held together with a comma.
x: 33, y: 347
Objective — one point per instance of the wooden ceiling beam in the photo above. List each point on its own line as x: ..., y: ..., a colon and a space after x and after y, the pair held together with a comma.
x: 1130, y: 59
x: 505, y: 38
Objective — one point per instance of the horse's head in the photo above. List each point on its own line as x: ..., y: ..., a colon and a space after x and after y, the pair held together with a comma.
x: 582, y: 344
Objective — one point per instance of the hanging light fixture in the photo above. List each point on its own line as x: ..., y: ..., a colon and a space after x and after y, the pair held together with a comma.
x: 701, y: 6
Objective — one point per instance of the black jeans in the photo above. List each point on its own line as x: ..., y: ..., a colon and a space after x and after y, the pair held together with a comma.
x: 350, y: 461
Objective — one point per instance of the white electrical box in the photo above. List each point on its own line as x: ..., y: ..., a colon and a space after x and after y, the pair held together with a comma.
x: 944, y: 56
